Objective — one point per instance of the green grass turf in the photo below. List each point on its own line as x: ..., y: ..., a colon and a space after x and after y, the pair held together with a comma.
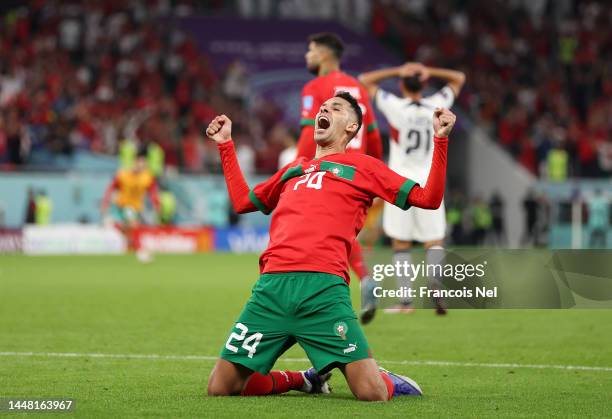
x: 185, y: 305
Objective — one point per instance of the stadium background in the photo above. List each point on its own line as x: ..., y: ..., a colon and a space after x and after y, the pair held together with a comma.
x: 83, y: 84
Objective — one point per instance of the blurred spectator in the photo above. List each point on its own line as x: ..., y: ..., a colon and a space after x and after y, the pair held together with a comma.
x: 167, y: 206
x: 155, y: 158
x: 235, y: 83
x: 530, y: 208
x: 481, y: 221
x: 557, y: 165
x: 455, y: 217
x: 496, y: 204
x: 43, y: 209
x: 30, y: 216
x: 193, y: 150
x: 542, y: 226
x: 127, y: 153
x: 17, y: 142
x: 599, y: 216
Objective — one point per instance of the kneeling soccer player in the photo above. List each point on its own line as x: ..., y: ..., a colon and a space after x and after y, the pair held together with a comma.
x: 302, y: 295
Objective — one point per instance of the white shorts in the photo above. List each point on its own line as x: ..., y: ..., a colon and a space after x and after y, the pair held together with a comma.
x: 414, y: 224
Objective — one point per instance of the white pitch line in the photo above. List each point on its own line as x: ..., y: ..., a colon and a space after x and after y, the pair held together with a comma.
x: 382, y: 362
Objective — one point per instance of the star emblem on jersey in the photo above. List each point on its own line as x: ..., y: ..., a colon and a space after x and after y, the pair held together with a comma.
x: 336, y: 170
x: 340, y: 329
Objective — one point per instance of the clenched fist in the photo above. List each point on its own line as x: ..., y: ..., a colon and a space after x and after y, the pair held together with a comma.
x: 220, y: 129
x: 443, y: 122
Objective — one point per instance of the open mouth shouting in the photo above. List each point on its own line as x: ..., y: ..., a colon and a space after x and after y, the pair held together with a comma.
x: 323, y: 123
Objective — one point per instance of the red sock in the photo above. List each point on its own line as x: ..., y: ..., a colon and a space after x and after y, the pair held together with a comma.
x: 356, y: 261
x: 389, y: 384
x: 276, y: 382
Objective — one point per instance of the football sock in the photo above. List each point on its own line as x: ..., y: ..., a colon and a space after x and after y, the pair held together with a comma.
x: 389, y: 384
x: 434, y: 256
x: 403, y: 257
x: 276, y: 382
x: 357, y: 262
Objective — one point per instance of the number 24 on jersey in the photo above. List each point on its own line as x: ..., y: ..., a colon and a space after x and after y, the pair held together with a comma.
x: 311, y: 180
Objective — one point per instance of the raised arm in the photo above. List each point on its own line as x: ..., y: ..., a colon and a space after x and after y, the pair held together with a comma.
x: 430, y: 196
x: 220, y: 131
x: 372, y: 79
x: 455, y: 79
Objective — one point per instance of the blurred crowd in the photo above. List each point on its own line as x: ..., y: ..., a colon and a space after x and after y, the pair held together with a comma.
x: 106, y: 76
x: 539, y: 72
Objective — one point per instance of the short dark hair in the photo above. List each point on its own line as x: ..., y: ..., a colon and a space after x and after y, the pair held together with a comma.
x: 413, y: 83
x: 330, y: 40
x: 355, y: 105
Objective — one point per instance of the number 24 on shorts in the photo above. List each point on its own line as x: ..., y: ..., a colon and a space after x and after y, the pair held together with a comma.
x: 249, y: 344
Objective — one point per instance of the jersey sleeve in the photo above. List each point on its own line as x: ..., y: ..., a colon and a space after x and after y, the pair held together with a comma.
x: 390, y: 105
x: 443, y: 98
x: 387, y: 184
x: 310, y: 105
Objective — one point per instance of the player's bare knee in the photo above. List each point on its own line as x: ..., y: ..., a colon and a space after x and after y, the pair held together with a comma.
x: 372, y: 393
x: 371, y: 389
x: 217, y: 386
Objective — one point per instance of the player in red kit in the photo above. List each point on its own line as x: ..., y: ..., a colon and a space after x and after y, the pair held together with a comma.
x: 323, y: 60
x: 302, y: 295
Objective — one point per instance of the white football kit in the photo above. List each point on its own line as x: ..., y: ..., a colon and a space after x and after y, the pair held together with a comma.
x: 410, y: 155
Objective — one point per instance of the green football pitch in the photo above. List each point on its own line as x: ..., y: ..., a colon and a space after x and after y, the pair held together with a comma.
x: 124, y: 339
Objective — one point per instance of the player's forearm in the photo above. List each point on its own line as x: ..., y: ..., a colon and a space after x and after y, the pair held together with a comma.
x: 430, y: 196
x: 453, y: 77
x: 371, y: 79
x: 376, y: 76
x: 237, y: 186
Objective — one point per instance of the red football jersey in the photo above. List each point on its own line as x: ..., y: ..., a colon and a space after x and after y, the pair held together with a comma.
x: 319, y: 208
x: 317, y: 91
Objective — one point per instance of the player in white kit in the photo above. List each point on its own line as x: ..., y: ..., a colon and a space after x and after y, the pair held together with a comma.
x: 410, y: 154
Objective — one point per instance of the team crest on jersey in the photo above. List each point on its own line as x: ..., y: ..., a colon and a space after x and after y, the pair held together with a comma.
x: 340, y: 329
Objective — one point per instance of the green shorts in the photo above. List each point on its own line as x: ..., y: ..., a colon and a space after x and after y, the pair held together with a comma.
x: 311, y: 308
